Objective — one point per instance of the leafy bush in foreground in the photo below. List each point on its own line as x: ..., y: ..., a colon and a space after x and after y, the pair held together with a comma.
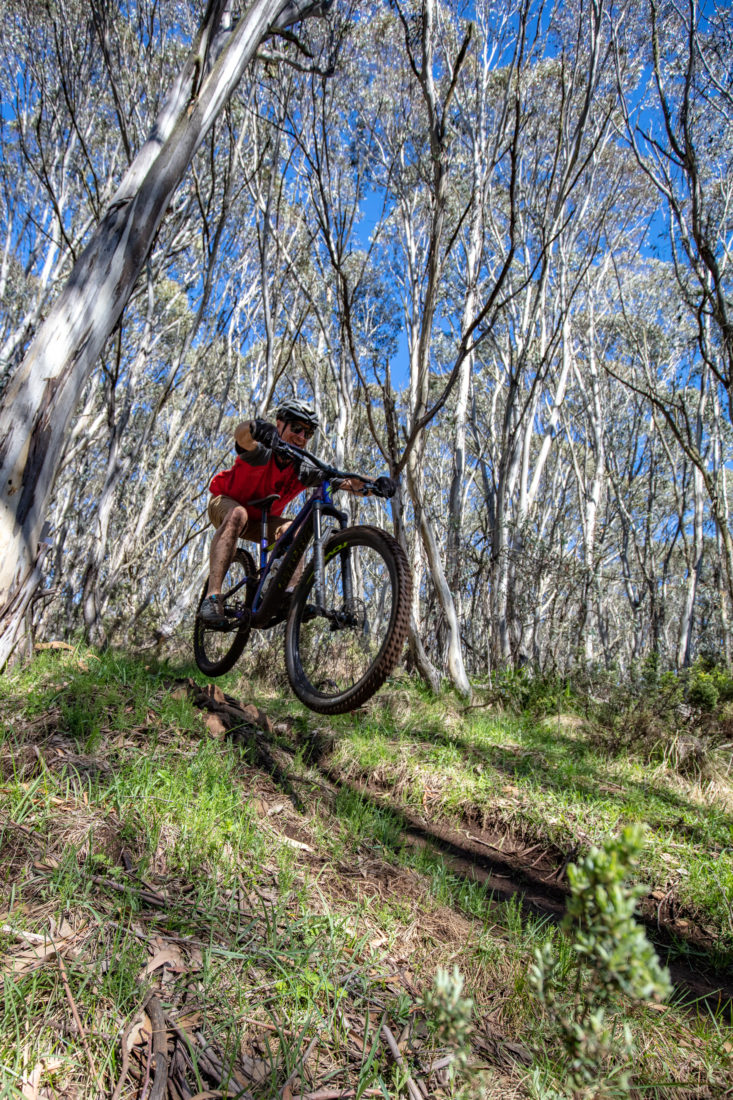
x: 612, y: 962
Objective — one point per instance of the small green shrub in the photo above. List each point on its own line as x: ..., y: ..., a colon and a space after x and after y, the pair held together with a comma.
x: 450, y: 1016
x: 522, y: 690
x: 710, y: 672
x: 613, y: 963
x: 703, y: 692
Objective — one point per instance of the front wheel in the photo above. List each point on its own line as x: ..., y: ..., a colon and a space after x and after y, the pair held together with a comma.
x: 215, y: 650
x: 339, y: 654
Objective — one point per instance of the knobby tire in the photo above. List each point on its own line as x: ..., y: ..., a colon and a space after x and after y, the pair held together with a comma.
x: 336, y: 670
x: 213, y: 651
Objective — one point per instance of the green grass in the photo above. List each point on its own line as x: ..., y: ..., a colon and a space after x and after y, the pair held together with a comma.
x: 100, y: 762
x: 274, y: 947
x: 547, y: 781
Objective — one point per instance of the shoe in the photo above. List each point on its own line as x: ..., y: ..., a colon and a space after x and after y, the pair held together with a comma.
x: 212, y: 613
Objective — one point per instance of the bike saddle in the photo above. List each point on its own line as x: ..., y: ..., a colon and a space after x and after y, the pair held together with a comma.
x: 263, y: 502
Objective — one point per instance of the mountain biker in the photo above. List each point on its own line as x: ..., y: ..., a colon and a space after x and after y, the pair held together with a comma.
x: 259, y: 471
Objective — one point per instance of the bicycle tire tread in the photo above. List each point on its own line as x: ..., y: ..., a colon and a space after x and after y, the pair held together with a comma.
x: 393, y: 645
x: 239, y: 639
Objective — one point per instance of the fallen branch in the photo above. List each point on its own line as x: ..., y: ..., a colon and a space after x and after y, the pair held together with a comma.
x: 412, y: 1088
x: 336, y: 1094
x: 259, y: 1023
x: 300, y: 1067
x: 160, y: 1047
x: 75, y: 1014
x: 125, y: 1056
x: 210, y: 1062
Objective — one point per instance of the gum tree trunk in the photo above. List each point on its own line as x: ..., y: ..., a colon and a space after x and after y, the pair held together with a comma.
x: 41, y: 398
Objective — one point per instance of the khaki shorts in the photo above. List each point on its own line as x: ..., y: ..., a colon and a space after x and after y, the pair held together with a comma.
x: 220, y: 507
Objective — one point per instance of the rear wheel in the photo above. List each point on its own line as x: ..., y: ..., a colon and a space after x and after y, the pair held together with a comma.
x: 338, y: 655
x: 217, y: 650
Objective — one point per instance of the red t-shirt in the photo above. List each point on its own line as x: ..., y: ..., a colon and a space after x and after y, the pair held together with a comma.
x: 255, y: 474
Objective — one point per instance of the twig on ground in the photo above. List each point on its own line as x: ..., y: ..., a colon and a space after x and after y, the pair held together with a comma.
x: 155, y: 900
x: 183, y: 1050
x: 335, y: 1094
x: 301, y: 1065
x: 160, y: 1047
x: 33, y: 938
x: 442, y: 1063
x: 260, y: 1023
x: 412, y: 1088
x: 146, y: 1078
x: 485, y: 843
x: 225, y: 1075
x: 125, y: 1056
x: 77, y: 1019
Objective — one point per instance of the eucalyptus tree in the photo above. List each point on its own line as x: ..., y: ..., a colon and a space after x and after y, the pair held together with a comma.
x: 656, y: 355
x: 186, y: 359
x: 421, y: 173
x: 680, y: 128
x: 45, y: 130
x: 681, y: 132
x: 482, y: 106
x: 44, y: 391
x: 328, y: 169
x: 565, y: 194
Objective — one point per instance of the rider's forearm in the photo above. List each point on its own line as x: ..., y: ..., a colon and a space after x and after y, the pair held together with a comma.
x: 351, y: 485
x: 243, y: 437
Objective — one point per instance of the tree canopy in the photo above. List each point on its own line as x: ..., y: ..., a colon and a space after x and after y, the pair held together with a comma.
x: 492, y: 246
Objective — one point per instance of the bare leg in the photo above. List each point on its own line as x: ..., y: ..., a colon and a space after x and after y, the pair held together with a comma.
x: 223, y: 547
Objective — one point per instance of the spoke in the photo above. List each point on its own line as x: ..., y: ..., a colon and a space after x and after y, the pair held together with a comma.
x: 337, y: 649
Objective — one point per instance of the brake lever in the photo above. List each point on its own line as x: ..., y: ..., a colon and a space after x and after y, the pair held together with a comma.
x: 284, y: 449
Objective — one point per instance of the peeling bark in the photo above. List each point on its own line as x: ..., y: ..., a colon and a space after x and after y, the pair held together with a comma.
x: 41, y: 398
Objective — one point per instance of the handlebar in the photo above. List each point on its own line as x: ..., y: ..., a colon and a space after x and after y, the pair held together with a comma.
x: 380, y: 487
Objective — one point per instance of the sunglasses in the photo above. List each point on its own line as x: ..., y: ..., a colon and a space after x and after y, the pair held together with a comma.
x: 297, y: 428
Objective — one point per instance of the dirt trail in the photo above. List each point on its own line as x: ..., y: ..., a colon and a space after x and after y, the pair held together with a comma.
x: 506, y: 863
x: 510, y: 867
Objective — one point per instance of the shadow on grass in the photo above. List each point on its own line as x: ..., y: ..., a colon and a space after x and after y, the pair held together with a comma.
x: 94, y: 700
x: 699, y: 977
x: 568, y: 767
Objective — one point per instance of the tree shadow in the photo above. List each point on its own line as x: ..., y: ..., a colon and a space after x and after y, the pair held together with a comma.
x: 527, y: 884
x: 570, y: 767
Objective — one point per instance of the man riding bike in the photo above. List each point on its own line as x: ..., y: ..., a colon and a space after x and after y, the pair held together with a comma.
x: 258, y: 472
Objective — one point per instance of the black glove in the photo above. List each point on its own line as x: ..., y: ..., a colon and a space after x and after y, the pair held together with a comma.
x: 385, y: 487
x: 263, y: 432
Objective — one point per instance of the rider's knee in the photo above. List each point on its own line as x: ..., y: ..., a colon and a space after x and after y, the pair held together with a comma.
x: 237, y: 519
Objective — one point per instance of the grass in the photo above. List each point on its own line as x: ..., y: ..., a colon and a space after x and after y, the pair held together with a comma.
x: 548, y: 781
x: 144, y: 857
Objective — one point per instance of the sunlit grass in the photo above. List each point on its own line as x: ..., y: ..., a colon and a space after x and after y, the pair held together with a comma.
x: 548, y: 781
x: 300, y: 943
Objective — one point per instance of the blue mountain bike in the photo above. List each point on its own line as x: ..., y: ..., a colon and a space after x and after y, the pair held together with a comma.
x: 346, y: 622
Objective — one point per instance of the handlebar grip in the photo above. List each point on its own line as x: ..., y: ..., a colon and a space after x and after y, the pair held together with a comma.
x: 385, y: 487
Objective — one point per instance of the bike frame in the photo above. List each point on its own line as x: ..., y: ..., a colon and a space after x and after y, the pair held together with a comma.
x: 289, y: 548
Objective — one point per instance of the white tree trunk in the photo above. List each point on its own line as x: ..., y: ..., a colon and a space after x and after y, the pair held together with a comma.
x: 41, y: 398
x: 693, y: 574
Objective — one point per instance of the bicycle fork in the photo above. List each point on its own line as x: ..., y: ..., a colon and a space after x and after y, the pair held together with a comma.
x: 319, y: 565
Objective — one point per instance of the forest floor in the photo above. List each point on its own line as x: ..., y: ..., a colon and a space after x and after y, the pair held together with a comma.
x: 210, y: 891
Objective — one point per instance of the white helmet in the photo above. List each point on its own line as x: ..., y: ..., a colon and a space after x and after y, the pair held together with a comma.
x: 293, y: 409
